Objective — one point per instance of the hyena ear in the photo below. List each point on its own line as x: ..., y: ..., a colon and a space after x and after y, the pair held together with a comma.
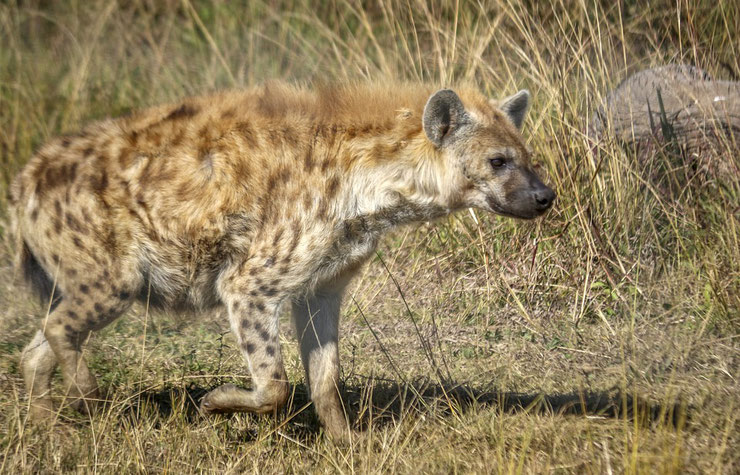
x: 515, y: 107
x: 444, y: 114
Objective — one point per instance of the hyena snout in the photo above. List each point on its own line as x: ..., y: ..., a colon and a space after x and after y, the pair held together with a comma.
x: 543, y: 197
x: 526, y: 202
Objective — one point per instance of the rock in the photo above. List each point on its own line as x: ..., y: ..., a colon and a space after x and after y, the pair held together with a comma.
x: 677, y: 109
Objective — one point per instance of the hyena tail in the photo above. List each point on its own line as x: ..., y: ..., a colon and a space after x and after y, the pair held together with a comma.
x: 26, y: 263
x: 37, y: 278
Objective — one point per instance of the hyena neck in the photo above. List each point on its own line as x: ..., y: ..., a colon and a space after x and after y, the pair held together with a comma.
x: 411, y: 184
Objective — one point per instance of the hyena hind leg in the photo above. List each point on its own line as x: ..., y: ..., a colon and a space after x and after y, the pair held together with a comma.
x: 37, y: 366
x: 67, y: 328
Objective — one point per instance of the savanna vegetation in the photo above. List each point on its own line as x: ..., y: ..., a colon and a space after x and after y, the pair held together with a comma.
x: 600, y: 339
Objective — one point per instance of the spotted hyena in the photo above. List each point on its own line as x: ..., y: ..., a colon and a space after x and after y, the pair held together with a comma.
x: 247, y: 201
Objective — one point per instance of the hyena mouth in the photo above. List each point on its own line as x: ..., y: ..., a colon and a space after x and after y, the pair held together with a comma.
x: 517, y: 210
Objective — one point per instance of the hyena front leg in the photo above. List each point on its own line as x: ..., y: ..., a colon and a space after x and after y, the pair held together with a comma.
x: 252, y: 297
x: 316, y: 319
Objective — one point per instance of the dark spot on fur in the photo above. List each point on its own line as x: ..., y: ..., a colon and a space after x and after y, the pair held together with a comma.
x: 332, y: 187
x: 75, y: 225
x: 245, y: 324
x: 100, y: 183
x: 77, y: 242
x: 263, y: 365
x: 260, y: 306
x: 72, y: 315
x: 290, y: 136
x: 265, y: 336
x: 235, y: 306
x: 285, y: 175
x: 247, y: 132
x: 241, y: 170
x: 182, y: 112
x: 271, y: 183
x: 206, y: 132
x: 34, y: 214
x: 308, y: 162
x: 71, y: 272
x: 277, y: 376
x: 55, y: 176
x: 88, y: 151
x: 109, y: 241
x: 322, y: 212
x: 133, y: 141
x: 98, y: 308
x: 124, y: 295
x: 96, y: 257
x: 277, y: 237
x: 249, y: 347
x: 296, y: 239
x: 58, y: 207
x: 270, y: 350
x: 84, y: 289
x: 268, y: 291
x: 86, y: 215
x: 69, y: 328
x: 269, y: 262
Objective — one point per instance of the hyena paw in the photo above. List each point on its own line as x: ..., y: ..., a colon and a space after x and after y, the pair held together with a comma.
x: 42, y: 411
x: 231, y: 398
x: 215, y: 401
x: 87, y: 405
x: 341, y: 435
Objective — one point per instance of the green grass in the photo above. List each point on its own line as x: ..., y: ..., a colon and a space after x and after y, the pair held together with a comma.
x: 493, y: 355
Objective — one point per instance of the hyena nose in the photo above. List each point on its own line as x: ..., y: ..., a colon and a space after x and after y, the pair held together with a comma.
x: 544, y: 197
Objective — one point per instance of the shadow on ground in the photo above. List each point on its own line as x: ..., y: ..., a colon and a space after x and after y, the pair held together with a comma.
x: 382, y: 402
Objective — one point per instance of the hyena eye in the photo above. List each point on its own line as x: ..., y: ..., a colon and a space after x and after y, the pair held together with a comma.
x: 497, y: 162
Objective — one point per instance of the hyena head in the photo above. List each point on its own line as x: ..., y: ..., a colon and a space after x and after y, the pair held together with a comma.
x: 488, y: 153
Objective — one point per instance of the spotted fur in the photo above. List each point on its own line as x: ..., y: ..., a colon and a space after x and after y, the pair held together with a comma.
x: 247, y: 200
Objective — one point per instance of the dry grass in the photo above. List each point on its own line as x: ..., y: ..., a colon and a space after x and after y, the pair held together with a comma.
x: 602, y: 339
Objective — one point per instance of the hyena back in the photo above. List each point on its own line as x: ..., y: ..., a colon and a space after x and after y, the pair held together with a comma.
x: 246, y: 200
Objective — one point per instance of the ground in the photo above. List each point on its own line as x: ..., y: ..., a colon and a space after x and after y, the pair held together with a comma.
x: 600, y: 339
